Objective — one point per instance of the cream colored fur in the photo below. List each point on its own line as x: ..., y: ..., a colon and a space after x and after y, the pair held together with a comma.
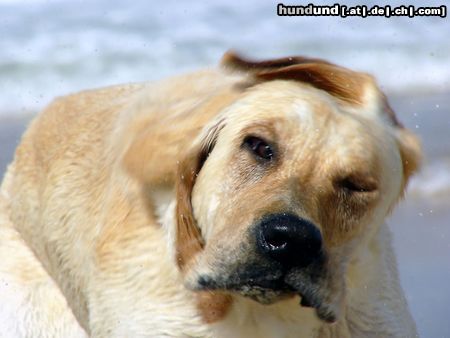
x: 31, y: 303
x: 88, y: 227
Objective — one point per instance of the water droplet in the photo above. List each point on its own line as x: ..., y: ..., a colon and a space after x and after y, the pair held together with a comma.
x: 437, y: 105
x: 420, y: 214
x: 417, y: 126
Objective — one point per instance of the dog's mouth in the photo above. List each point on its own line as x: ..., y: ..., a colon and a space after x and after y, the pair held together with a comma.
x: 275, y: 286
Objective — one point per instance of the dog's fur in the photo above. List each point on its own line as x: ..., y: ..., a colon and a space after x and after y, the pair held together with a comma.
x: 140, y: 201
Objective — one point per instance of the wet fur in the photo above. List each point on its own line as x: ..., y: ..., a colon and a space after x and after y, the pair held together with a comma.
x: 116, y: 191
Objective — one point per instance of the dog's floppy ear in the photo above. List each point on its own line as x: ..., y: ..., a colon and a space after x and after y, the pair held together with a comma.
x: 152, y: 153
x: 340, y: 82
x: 408, y: 143
x: 212, y: 306
x: 234, y: 61
x: 410, y: 151
x: 189, y: 239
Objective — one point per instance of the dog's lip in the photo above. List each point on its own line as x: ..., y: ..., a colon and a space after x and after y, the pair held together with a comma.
x: 305, y: 301
x: 322, y: 309
x: 308, y: 297
x: 208, y: 283
x: 316, y: 296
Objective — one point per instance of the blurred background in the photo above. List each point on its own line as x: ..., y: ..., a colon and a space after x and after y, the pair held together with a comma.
x: 50, y: 48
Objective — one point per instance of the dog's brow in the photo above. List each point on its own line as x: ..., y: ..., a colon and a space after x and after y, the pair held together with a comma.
x: 261, y: 128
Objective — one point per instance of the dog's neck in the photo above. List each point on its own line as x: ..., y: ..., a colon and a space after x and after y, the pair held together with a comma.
x: 247, y: 318
x: 372, y: 283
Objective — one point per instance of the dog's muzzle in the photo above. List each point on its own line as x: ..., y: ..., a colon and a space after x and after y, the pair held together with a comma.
x: 286, y: 258
x: 296, y: 244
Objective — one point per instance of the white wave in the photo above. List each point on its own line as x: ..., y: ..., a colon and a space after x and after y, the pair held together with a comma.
x: 433, y: 181
x: 49, y: 48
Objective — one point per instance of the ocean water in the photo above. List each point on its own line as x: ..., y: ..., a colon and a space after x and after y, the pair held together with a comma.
x: 52, y: 47
x: 429, y: 118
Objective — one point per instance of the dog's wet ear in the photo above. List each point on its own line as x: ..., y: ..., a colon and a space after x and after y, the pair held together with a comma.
x: 408, y: 143
x: 189, y: 240
x: 151, y: 155
x: 212, y: 306
x: 344, y: 84
x: 232, y: 60
x: 340, y: 82
x: 410, y: 152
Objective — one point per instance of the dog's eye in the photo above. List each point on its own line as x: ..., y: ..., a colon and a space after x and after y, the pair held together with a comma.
x: 259, y: 147
x: 353, y: 184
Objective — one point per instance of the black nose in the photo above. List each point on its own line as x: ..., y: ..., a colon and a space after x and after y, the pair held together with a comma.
x: 290, y: 240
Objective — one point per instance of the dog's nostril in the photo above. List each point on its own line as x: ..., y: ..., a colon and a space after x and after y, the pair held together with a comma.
x: 290, y: 240
x: 276, y: 239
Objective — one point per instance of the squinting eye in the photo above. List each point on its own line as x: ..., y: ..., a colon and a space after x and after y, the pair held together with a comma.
x: 259, y: 147
x: 356, y: 185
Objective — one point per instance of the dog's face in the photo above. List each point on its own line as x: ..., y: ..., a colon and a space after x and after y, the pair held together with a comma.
x: 283, y: 186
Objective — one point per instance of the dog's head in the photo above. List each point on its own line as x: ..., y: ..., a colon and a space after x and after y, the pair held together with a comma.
x: 279, y: 190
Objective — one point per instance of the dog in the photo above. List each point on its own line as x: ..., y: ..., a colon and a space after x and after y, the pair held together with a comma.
x: 243, y: 201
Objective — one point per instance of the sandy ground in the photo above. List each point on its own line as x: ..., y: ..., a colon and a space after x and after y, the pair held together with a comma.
x: 421, y: 226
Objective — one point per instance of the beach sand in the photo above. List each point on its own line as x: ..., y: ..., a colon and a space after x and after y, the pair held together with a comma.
x: 420, y: 224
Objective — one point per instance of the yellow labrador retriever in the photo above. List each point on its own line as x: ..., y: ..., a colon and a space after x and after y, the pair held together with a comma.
x: 245, y: 201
